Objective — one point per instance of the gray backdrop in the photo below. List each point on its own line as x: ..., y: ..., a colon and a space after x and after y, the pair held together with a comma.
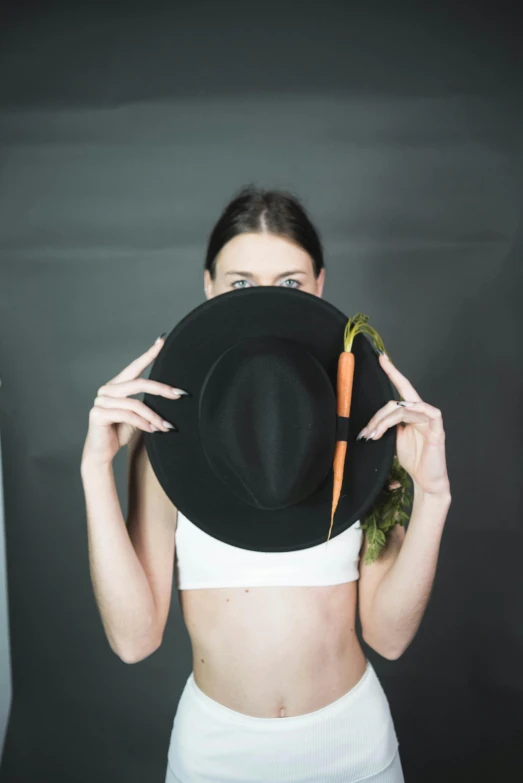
x: 124, y: 131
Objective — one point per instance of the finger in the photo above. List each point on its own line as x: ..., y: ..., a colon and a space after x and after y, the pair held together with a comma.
x: 402, y: 384
x: 420, y: 420
x: 138, y: 365
x: 420, y: 405
x: 394, y: 405
x: 107, y: 416
x: 140, y: 408
x: 390, y: 406
x: 417, y: 419
x: 137, y: 385
x: 434, y: 414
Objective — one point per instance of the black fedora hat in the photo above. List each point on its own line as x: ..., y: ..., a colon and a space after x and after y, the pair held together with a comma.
x: 250, y: 462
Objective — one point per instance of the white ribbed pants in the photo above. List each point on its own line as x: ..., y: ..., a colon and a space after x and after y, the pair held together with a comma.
x: 351, y: 739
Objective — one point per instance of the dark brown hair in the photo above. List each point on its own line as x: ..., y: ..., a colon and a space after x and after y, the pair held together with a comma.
x: 255, y: 210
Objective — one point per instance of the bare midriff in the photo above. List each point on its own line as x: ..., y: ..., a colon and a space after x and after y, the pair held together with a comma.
x: 274, y: 652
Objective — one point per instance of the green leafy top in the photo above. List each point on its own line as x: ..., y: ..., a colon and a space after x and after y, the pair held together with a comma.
x: 389, y: 508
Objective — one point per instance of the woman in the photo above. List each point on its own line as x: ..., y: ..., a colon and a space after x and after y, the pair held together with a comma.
x: 264, y: 653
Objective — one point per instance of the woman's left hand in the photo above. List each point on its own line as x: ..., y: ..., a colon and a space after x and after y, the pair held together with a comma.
x: 420, y: 438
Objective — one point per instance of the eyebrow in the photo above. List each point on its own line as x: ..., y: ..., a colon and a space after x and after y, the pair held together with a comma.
x: 284, y: 274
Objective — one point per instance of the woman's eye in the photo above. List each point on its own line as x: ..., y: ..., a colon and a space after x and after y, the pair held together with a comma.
x: 234, y: 285
x: 238, y: 281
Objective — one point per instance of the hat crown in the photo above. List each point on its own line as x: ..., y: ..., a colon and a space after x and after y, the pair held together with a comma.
x: 267, y: 416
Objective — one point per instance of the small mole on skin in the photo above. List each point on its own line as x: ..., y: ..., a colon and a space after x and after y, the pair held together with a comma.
x: 247, y: 590
x: 202, y: 660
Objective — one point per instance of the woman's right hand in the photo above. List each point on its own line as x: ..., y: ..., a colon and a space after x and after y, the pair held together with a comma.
x: 114, y: 418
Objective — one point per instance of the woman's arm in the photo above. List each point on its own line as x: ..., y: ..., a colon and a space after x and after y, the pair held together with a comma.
x: 394, y: 591
x: 132, y: 614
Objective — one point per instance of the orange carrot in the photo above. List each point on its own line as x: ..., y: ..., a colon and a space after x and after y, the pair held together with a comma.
x: 343, y: 401
x: 345, y: 380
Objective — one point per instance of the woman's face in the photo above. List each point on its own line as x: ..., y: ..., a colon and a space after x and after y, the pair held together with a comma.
x: 262, y: 259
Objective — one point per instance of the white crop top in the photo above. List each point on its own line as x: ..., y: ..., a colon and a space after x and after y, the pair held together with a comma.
x: 204, y: 561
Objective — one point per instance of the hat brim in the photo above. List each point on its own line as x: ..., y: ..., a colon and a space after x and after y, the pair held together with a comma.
x: 178, y: 458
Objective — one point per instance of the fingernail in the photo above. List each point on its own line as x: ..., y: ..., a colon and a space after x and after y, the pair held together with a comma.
x: 370, y: 435
x: 169, y: 425
x: 160, y: 337
x: 362, y: 433
x: 179, y: 391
